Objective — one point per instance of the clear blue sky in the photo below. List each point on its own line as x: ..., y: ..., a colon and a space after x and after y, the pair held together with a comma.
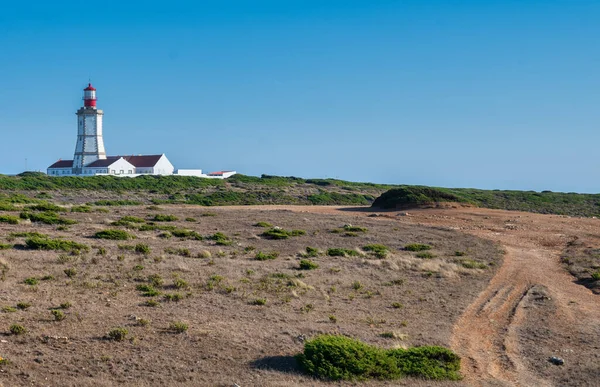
x: 486, y: 94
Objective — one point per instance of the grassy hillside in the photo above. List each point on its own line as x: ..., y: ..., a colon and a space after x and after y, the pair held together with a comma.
x: 248, y: 190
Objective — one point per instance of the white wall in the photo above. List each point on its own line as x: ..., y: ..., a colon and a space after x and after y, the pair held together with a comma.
x: 189, y: 172
x: 121, y: 167
x: 163, y: 166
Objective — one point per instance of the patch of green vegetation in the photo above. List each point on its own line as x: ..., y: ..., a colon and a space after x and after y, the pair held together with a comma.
x: 5, y: 246
x: 417, y: 247
x: 164, y: 218
x: 341, y: 358
x: 46, y: 218
x: 378, y: 250
x: 142, y: 248
x: 259, y: 301
x: 311, y: 252
x: 9, y: 219
x: 132, y: 219
x: 17, y: 329
x: 45, y: 207
x: 351, y: 228
x: 307, y: 264
x: 425, y: 255
x: 178, y: 251
x: 118, y: 235
x: 58, y: 314
x: 471, y: 264
x: 81, y: 209
x: 24, y: 305
x: 7, y: 207
x: 220, y: 239
x: 279, y: 233
x: 8, y: 309
x: 45, y: 243
x: 408, y: 196
x: 260, y: 256
x: 334, y: 198
x: 341, y: 252
x: 263, y: 224
x: 178, y: 327
x: 190, y: 219
x: 117, y: 334
x: 173, y: 297
x: 596, y: 275
x: 186, y: 234
x: 32, y: 234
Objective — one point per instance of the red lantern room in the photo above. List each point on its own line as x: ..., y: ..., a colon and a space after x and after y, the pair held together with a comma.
x: 89, y: 96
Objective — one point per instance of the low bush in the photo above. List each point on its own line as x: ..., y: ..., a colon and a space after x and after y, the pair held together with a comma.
x: 59, y: 315
x: 221, y: 239
x: 141, y: 248
x: 164, y: 218
x: 10, y: 219
x: 311, y: 252
x: 81, y: 209
x: 119, y: 235
x: 5, y: 246
x: 259, y: 301
x: 17, y: 329
x: 596, y: 275
x: 44, y: 243
x: 45, y: 206
x: 307, y: 264
x: 380, y: 251
x: 180, y: 251
x: 340, y: 252
x: 349, y: 227
x: 260, y: 256
x: 23, y: 305
x: 470, y: 264
x: 117, y: 334
x: 132, y: 219
x: 46, y: 218
x: 279, y: 233
x: 178, y: 327
x: 186, y: 234
x: 341, y: 358
x: 425, y: 255
x: 417, y: 247
x: 263, y: 224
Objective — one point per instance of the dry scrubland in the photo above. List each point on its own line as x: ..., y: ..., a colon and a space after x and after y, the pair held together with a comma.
x: 203, y: 310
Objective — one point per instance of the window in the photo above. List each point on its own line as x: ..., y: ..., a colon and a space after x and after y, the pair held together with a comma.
x: 121, y: 172
x: 129, y: 171
x: 112, y: 171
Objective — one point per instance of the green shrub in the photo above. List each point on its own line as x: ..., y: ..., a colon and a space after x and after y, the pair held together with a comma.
x: 23, y: 305
x: 180, y: 283
x: 17, y: 329
x: 311, y: 252
x: 117, y: 334
x: 190, y: 219
x: 31, y: 281
x: 45, y: 206
x: 425, y: 255
x: 70, y: 272
x: 119, y: 235
x: 349, y: 227
x: 470, y: 264
x: 341, y: 358
x: 380, y: 251
x: 259, y: 301
x: 44, y: 243
x: 263, y: 224
x: 156, y: 280
x: 596, y: 276
x: 8, y: 309
x: 46, y: 218
x: 178, y: 327
x: 66, y: 305
x: 5, y: 246
x: 417, y: 247
x: 339, y: 252
x: 7, y: 207
x: 181, y: 251
x: 81, y: 209
x: 9, y: 219
x: 221, y: 239
x: 59, y: 315
x: 141, y: 248
x: 279, y: 233
x: 307, y: 264
x: 174, y: 297
x: 459, y: 253
x: 164, y: 218
x: 260, y: 256
x: 187, y: 234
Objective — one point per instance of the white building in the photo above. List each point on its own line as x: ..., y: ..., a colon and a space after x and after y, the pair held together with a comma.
x: 90, y: 156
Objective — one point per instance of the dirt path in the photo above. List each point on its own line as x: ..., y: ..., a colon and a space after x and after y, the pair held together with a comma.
x: 487, y: 334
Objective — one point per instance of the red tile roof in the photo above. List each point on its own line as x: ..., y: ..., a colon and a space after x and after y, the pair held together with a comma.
x: 218, y: 173
x: 62, y: 164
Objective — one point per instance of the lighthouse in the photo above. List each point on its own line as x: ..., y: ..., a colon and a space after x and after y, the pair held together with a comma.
x: 90, y: 145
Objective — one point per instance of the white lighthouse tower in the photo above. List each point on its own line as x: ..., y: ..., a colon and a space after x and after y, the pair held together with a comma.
x: 90, y: 145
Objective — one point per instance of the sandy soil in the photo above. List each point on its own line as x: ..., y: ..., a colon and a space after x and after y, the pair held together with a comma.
x: 532, y: 309
x: 505, y: 322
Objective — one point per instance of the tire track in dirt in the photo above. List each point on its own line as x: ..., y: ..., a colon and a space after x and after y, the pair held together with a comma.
x: 487, y: 334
